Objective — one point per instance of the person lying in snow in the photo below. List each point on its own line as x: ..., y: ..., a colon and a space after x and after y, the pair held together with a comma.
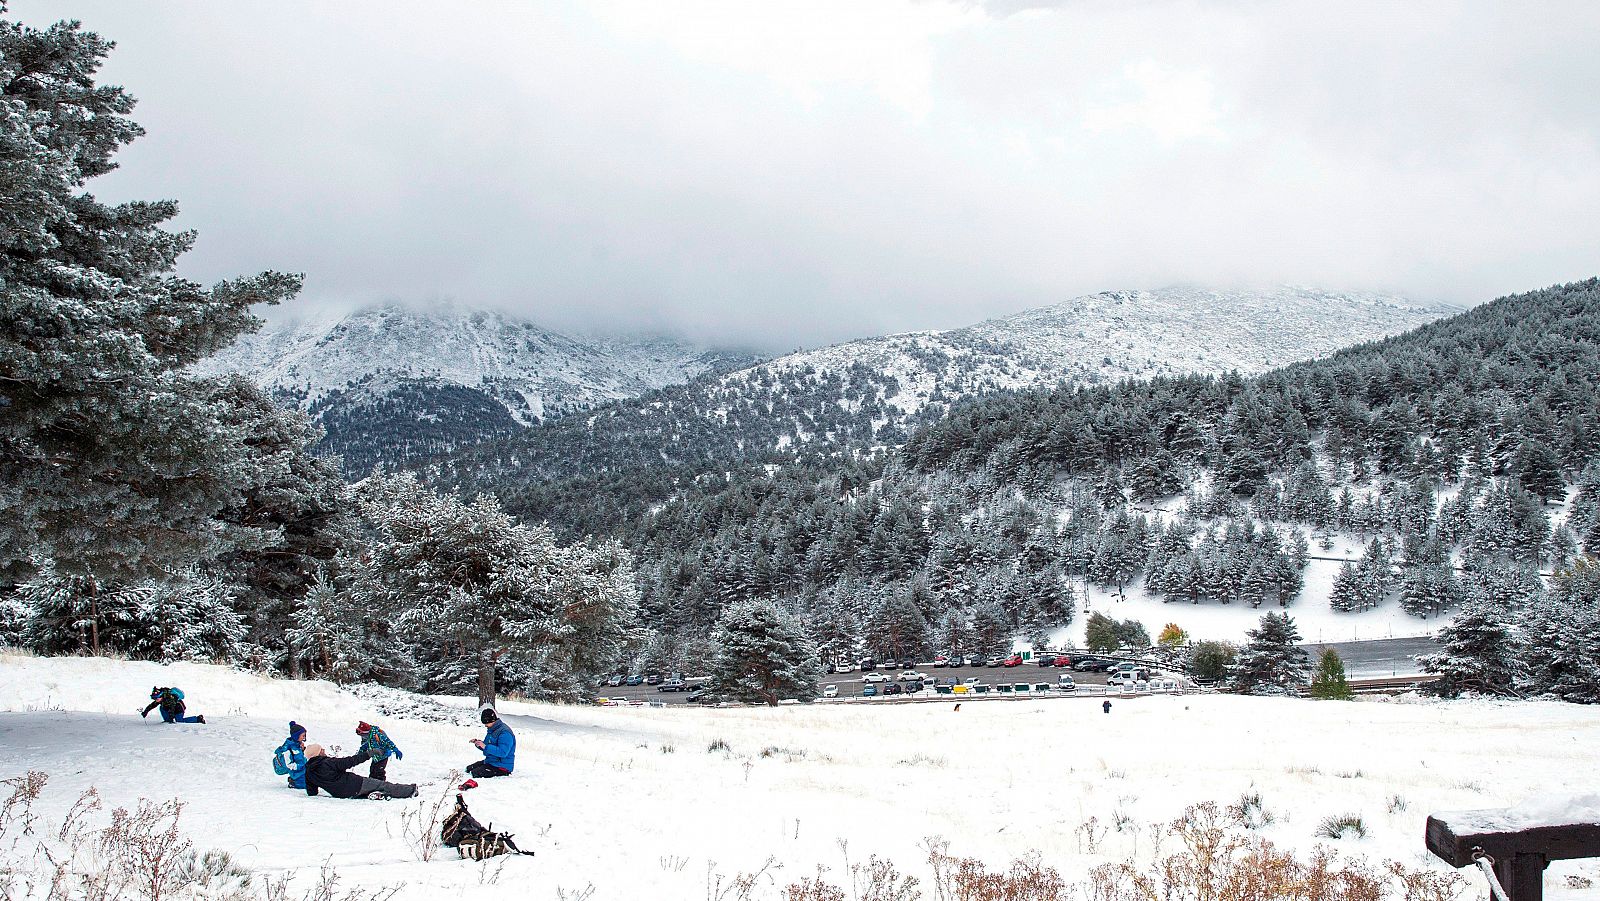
x: 499, y: 747
x: 331, y: 774
x: 170, y: 700
x: 290, y: 758
x: 375, y: 744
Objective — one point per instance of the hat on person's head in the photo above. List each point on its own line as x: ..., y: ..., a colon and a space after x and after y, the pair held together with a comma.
x: 313, y: 751
x: 295, y: 729
x: 363, y: 728
x: 486, y: 714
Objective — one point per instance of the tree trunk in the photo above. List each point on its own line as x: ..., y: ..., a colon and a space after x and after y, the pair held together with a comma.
x: 485, y: 677
x: 94, y: 617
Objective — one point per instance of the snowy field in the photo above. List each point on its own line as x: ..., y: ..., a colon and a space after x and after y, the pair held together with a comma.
x: 630, y: 803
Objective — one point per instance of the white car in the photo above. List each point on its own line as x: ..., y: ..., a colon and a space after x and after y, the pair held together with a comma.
x: 1065, y: 683
x: 830, y: 691
x: 870, y: 678
x: 912, y: 676
x: 972, y: 682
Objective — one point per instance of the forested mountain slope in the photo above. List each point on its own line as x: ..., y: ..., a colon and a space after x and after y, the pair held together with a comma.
x: 585, y: 472
x: 392, y: 383
x: 1445, y: 452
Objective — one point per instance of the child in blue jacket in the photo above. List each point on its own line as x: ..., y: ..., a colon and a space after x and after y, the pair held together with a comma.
x: 377, y: 745
x: 290, y: 758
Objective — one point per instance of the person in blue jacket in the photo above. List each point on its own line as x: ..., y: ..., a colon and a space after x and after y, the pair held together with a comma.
x: 290, y: 758
x: 499, y: 747
x: 376, y: 744
x: 170, y: 700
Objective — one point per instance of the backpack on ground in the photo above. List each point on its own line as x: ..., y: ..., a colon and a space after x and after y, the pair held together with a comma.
x: 472, y: 839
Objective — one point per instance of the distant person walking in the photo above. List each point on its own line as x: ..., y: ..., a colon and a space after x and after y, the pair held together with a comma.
x: 170, y: 700
x: 1106, y: 705
x: 376, y: 744
x: 499, y: 747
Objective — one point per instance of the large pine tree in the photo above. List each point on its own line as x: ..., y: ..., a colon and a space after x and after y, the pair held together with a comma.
x: 114, y: 463
x: 1273, y: 662
x: 762, y: 656
x: 1479, y: 653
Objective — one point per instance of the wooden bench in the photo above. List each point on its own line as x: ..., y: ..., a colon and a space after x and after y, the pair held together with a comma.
x: 1521, y: 841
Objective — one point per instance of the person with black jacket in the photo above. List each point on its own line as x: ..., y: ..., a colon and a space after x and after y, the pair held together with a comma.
x: 332, y: 775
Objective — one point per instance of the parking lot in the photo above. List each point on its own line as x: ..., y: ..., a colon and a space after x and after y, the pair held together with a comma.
x: 850, y: 685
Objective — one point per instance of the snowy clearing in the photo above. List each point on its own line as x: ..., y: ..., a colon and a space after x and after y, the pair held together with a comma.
x: 631, y: 802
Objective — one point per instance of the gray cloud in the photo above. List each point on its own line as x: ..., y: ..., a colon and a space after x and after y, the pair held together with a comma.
x: 791, y: 175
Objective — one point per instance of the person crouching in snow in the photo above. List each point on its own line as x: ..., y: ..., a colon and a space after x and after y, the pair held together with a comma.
x: 170, y: 700
x: 332, y: 775
x: 376, y: 744
x: 499, y: 747
x: 290, y: 758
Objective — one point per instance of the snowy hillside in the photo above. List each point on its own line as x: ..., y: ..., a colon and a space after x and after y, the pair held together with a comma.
x: 1102, y: 338
x: 629, y: 803
x: 535, y: 372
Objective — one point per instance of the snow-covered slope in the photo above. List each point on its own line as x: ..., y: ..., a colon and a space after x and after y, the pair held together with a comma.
x: 534, y: 372
x: 630, y: 803
x: 1115, y: 335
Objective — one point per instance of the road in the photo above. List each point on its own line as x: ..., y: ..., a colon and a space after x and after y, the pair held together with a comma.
x: 1379, y: 657
x: 850, y: 684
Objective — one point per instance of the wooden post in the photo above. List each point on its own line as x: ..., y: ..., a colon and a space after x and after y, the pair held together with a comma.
x: 1522, y: 876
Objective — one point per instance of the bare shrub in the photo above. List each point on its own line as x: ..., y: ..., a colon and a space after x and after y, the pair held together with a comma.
x: 1215, y: 863
x: 878, y: 880
x: 718, y: 744
x: 421, y: 824
x: 968, y: 879
x: 813, y: 888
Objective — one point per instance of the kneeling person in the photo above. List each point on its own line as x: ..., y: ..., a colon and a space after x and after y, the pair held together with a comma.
x: 332, y: 775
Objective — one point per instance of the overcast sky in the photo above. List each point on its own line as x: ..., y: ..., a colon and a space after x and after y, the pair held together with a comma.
x: 792, y: 174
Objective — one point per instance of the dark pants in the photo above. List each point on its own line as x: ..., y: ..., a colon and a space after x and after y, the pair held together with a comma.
x: 379, y: 769
x: 483, y: 769
x: 178, y: 717
x: 369, y: 785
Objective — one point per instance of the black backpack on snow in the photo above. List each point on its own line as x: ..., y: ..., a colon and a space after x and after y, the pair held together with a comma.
x: 472, y: 839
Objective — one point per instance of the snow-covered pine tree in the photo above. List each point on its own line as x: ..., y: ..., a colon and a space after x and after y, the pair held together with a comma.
x: 188, y: 617
x: 477, y: 592
x: 1273, y: 661
x: 1348, y: 593
x: 115, y: 462
x: 762, y: 656
x: 1561, y: 632
x: 79, y: 614
x: 1479, y: 653
x: 1329, y: 683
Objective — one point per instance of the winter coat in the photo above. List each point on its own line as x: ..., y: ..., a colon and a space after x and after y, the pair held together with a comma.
x: 500, y: 746
x: 290, y: 760
x: 331, y: 774
x: 378, y: 746
x: 170, y: 700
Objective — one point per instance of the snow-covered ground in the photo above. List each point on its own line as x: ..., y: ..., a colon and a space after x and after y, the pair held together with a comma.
x: 631, y: 802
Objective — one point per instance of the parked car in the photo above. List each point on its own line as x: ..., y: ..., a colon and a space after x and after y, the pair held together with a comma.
x: 907, y: 663
x: 870, y: 691
x: 672, y: 685
x: 1088, y: 665
x: 941, y: 660
x: 1063, y: 660
x: 996, y: 660
x: 696, y: 696
x: 867, y: 664
x: 889, y: 664
x: 1013, y: 660
x: 633, y: 680
x: 653, y: 679
x: 1044, y: 660
x: 913, y: 686
x: 1064, y: 683
x: 972, y: 682
x: 830, y: 691
x: 614, y: 681
x: 974, y: 660
x: 870, y: 678
x: 844, y: 666
x: 911, y: 675
x: 893, y: 688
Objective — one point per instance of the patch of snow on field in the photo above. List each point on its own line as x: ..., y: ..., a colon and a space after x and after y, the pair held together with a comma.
x: 630, y: 801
